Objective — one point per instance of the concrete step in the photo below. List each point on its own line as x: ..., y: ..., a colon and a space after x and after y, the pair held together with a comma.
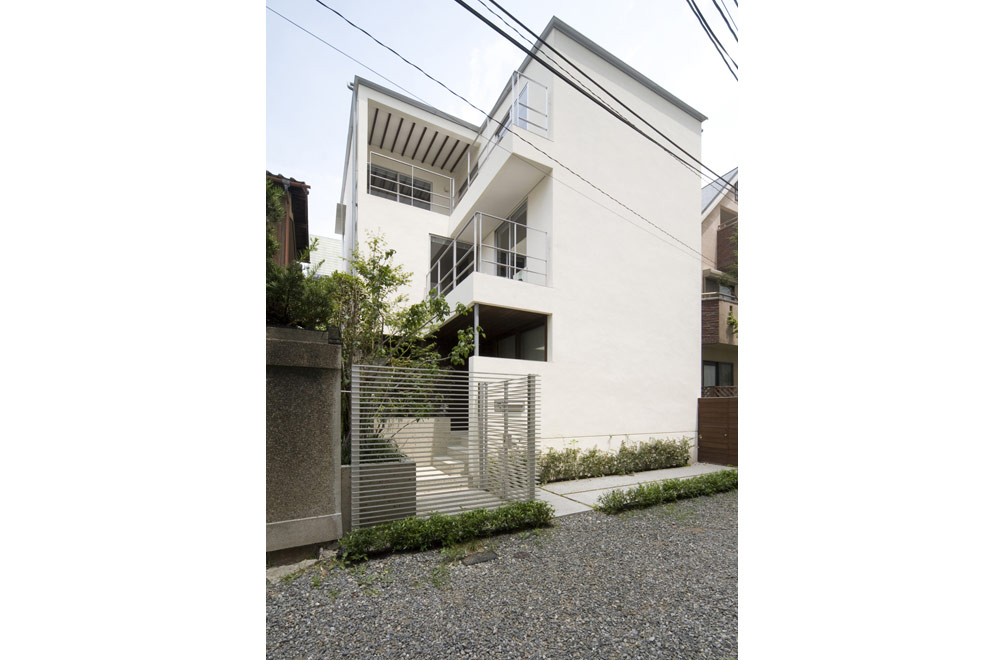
x: 449, y: 465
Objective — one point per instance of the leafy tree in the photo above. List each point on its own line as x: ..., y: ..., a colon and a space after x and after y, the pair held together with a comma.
x: 377, y: 324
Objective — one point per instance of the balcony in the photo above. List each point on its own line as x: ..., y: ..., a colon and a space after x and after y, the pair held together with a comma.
x: 715, y: 326
x: 528, y: 109
x: 409, y: 184
x: 502, y: 247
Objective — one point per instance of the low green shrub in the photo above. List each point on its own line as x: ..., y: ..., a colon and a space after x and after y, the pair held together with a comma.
x: 669, y: 490
x: 574, y: 464
x: 437, y: 530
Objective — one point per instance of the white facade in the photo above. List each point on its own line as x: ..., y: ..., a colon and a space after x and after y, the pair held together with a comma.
x: 328, y: 254
x: 618, y: 299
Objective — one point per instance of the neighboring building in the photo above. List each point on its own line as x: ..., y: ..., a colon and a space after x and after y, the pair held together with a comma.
x: 293, y: 230
x: 564, y: 286
x: 719, y: 342
x: 328, y: 254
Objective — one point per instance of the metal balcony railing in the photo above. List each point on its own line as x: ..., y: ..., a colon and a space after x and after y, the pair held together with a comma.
x: 716, y: 295
x: 479, y: 247
x: 528, y: 109
x: 409, y: 184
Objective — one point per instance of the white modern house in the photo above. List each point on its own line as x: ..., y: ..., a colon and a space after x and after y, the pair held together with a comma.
x: 565, y: 282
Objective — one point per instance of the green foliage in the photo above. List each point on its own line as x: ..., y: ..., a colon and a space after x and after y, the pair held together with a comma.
x: 438, y: 530
x: 377, y: 325
x: 573, y: 464
x: 734, y: 270
x: 295, y: 297
x: 733, y: 323
x: 670, y: 490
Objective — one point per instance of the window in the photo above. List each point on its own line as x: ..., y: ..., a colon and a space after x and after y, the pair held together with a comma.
x: 717, y: 373
x: 725, y: 291
x: 504, y: 125
x: 526, y: 344
x: 522, y: 108
x: 400, y: 187
x: 510, y: 241
x: 444, y: 273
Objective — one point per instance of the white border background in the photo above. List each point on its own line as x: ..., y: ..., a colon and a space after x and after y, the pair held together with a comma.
x: 133, y: 480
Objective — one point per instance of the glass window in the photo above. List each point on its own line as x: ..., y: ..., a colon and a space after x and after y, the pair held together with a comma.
x: 717, y: 373
x: 382, y: 182
x: 726, y: 373
x: 708, y: 374
x: 402, y: 188
x: 533, y: 344
x: 522, y: 108
x: 507, y: 347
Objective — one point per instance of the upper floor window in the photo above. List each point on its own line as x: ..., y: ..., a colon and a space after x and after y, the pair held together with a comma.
x: 403, y: 188
x: 725, y: 291
x: 521, y: 344
x: 522, y: 108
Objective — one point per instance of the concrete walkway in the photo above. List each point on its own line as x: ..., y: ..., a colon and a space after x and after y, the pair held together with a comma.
x: 568, y: 497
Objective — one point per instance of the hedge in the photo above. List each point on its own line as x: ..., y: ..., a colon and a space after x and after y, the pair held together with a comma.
x: 669, y: 490
x: 439, y: 530
x: 574, y: 464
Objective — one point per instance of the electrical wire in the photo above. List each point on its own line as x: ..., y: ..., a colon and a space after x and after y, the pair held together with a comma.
x: 394, y: 84
x: 573, y: 85
x: 696, y: 252
x: 541, y: 41
x: 713, y: 38
x: 726, y: 21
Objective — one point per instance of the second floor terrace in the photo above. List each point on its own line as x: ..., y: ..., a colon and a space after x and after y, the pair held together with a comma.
x: 416, y: 160
x: 502, y: 247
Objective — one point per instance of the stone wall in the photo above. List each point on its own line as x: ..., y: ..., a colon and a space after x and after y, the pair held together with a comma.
x: 303, y: 438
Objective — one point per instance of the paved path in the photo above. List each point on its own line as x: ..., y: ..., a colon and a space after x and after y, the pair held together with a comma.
x: 568, y: 497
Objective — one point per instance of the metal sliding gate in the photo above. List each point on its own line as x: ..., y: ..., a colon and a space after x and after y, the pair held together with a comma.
x: 427, y: 441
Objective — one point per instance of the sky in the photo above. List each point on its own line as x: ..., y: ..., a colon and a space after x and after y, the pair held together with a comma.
x: 308, y: 101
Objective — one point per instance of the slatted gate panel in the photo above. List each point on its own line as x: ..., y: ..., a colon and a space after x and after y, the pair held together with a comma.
x: 718, y: 426
x: 439, y: 441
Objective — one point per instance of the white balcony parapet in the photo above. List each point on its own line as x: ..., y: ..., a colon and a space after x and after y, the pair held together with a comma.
x: 388, y: 178
x: 479, y: 253
x: 528, y: 109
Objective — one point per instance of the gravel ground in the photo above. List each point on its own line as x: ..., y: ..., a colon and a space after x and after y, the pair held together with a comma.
x: 655, y: 583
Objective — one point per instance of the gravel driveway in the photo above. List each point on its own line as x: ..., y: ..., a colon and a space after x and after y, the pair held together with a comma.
x: 655, y: 583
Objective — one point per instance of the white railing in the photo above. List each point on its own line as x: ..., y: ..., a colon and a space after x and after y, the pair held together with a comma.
x: 409, y: 184
x: 718, y: 295
x: 475, y: 250
x: 528, y: 109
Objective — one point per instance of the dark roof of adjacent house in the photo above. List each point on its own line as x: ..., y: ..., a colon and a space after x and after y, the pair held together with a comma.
x: 712, y: 190
x: 287, y: 179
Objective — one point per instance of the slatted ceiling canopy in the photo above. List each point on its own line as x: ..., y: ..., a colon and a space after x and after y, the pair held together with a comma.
x: 405, y: 138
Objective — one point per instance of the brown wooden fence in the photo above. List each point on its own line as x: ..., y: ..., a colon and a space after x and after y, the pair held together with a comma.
x: 718, y: 423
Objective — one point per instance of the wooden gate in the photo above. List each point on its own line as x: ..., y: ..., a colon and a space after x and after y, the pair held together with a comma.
x: 717, y: 430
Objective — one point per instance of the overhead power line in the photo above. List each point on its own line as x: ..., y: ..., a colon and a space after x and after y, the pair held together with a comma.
x: 391, y: 82
x: 711, y: 36
x: 697, y: 252
x: 731, y: 19
x: 545, y: 64
x: 541, y: 41
x: 726, y: 21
